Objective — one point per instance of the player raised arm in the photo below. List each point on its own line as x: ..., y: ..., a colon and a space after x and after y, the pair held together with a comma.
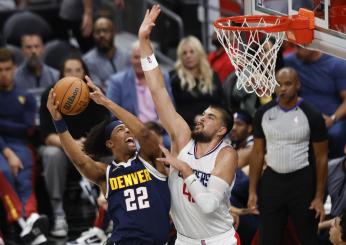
x: 148, y: 141
x: 92, y: 170
x: 175, y: 125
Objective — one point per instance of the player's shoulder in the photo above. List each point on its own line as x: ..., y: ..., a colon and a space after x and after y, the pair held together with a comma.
x: 227, y: 152
x: 227, y: 158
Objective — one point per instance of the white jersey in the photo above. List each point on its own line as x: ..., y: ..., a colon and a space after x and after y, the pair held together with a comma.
x: 188, y: 219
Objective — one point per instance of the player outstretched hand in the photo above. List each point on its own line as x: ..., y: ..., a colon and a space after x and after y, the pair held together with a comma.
x: 96, y: 94
x: 181, y: 166
x: 149, y: 22
x: 52, y: 105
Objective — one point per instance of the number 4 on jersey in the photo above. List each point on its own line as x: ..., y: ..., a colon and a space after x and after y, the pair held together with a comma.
x: 187, y: 193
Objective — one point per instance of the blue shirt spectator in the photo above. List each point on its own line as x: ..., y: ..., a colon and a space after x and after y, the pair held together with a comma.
x: 323, y: 84
x: 29, y: 81
x: 321, y: 81
x: 16, y: 161
x: 123, y: 86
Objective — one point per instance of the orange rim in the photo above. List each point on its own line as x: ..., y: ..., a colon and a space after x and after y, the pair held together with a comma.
x: 298, y: 28
x: 279, y: 27
x: 303, y: 20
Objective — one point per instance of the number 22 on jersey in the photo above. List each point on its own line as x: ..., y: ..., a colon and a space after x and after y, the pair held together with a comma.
x: 136, y: 198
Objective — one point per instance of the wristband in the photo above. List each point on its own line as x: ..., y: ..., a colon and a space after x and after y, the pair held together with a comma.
x: 149, y: 63
x: 333, y: 117
x: 60, y: 126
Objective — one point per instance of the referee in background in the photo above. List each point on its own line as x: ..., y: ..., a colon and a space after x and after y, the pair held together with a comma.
x: 291, y: 135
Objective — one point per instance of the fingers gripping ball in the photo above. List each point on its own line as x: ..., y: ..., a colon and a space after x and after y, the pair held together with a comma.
x: 72, y: 94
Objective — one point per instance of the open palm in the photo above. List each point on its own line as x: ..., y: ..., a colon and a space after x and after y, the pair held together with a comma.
x: 149, y: 22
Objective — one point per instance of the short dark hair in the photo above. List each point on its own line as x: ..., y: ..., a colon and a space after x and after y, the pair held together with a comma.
x: 156, y: 127
x: 244, y: 116
x: 343, y: 225
x: 227, y: 116
x: 6, y: 55
x: 30, y: 34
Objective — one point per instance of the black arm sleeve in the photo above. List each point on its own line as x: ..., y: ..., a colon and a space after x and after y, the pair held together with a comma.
x: 316, y: 123
x: 257, y: 122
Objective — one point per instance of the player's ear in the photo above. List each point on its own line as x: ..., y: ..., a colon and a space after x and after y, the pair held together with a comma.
x: 109, y: 144
x: 222, y: 131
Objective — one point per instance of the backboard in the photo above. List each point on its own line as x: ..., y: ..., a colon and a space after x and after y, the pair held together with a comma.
x: 330, y: 20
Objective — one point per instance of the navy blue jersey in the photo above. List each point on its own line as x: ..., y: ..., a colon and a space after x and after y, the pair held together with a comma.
x: 138, y: 202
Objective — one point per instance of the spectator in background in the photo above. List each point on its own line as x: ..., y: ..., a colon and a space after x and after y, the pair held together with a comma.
x: 242, y: 142
x: 292, y: 137
x: 129, y: 89
x: 33, y: 73
x: 336, y: 188
x: 219, y: 60
x: 336, y: 185
x: 77, y: 16
x: 105, y: 59
x: 54, y: 160
x: 338, y: 231
x: 242, y: 138
x: 194, y: 85
x: 17, y: 113
x: 12, y: 4
x: 323, y: 84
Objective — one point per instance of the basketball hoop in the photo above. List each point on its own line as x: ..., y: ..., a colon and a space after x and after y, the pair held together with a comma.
x: 252, y: 43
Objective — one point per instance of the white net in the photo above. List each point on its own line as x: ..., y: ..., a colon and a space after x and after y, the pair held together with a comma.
x: 253, y: 54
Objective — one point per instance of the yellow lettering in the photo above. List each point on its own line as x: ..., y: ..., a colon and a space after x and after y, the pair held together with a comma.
x: 120, y: 182
x: 147, y: 174
x: 141, y: 176
x: 131, y: 179
x: 113, y: 183
x: 134, y: 178
x: 128, y: 180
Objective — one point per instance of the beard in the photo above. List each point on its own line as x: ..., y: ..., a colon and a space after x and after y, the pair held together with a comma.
x: 104, y: 48
x: 33, y: 63
x: 200, y: 137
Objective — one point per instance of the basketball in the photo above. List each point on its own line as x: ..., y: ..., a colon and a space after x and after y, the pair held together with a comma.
x: 72, y: 94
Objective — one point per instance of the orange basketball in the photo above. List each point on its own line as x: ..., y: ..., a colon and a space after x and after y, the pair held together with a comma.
x: 72, y: 94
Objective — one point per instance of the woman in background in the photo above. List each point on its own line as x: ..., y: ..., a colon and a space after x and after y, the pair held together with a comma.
x: 194, y: 85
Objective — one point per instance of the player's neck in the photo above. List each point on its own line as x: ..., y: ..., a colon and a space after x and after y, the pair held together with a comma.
x: 123, y: 157
x: 202, y: 148
x: 289, y: 104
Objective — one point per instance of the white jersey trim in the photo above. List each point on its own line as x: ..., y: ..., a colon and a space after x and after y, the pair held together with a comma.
x: 153, y: 170
x: 107, y: 179
x: 206, y: 154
